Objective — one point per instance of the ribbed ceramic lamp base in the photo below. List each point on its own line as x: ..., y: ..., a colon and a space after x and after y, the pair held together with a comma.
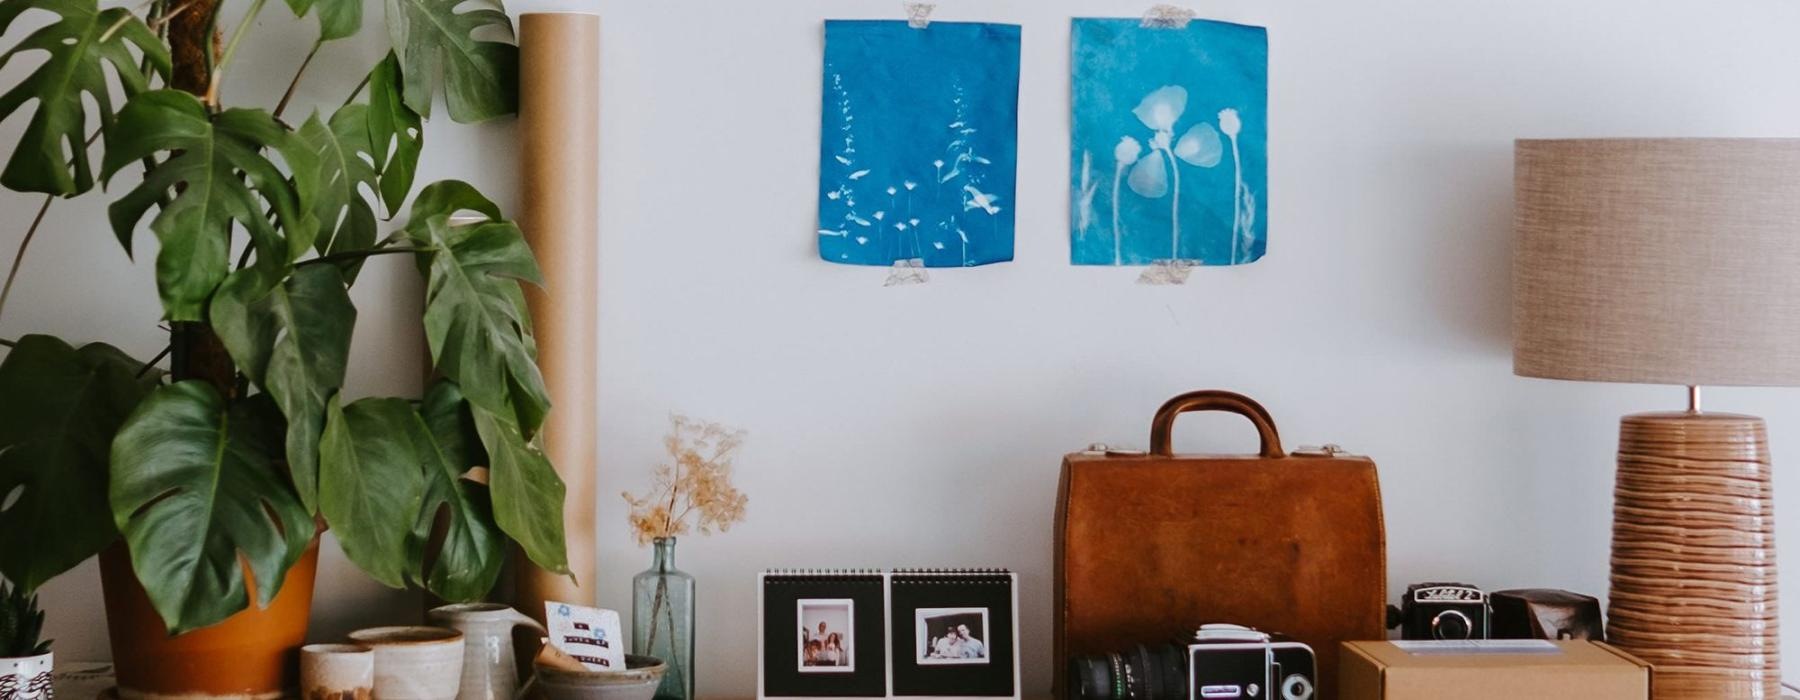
x: 1693, y: 555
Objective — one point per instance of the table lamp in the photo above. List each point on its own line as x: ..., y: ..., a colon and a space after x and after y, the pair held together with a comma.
x: 1672, y: 261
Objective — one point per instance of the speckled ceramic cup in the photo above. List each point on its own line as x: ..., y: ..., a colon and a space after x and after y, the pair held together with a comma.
x: 414, y: 663
x: 337, y: 672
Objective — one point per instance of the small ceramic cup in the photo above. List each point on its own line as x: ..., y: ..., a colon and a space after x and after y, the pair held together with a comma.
x: 337, y: 672
x: 414, y: 663
x: 27, y: 677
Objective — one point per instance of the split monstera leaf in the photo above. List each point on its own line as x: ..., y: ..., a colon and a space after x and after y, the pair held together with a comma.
x: 204, y: 477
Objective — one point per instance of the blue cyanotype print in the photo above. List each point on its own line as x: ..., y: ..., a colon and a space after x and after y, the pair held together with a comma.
x: 1168, y: 143
x: 919, y: 142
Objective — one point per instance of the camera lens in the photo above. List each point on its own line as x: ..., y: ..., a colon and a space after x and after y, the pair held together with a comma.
x: 1451, y: 624
x: 1091, y: 676
x: 1139, y: 673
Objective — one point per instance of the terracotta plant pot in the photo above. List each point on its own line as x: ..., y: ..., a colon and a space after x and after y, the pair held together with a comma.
x: 253, y: 654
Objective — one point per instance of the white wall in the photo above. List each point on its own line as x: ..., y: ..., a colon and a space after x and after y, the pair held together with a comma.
x: 923, y: 425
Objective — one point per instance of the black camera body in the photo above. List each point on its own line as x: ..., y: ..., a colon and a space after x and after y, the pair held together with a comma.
x: 1228, y: 661
x: 1220, y: 662
x: 1442, y: 611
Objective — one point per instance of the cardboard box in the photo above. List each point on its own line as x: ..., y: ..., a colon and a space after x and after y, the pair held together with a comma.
x: 1508, y: 670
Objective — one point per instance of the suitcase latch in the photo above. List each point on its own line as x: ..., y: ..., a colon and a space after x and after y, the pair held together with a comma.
x: 1101, y: 448
x: 1326, y: 450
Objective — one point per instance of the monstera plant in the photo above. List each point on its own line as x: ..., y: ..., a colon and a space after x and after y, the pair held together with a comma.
x: 232, y: 458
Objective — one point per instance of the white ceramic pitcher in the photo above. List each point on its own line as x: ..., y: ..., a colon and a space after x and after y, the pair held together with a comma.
x: 488, y: 670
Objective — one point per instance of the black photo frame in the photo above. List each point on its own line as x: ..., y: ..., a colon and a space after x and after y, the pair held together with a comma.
x: 852, y: 608
x: 932, y: 655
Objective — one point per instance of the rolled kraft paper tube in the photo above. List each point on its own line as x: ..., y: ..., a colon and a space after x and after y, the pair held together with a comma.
x: 559, y: 134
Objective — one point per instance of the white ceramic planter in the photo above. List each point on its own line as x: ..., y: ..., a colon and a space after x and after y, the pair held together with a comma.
x: 26, y: 678
x: 414, y: 663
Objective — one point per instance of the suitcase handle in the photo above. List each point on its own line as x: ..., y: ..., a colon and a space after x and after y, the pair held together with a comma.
x: 1213, y: 400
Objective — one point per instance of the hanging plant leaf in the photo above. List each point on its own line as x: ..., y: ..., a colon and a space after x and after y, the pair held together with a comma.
x: 62, y: 408
x: 341, y: 148
x: 337, y: 18
x: 475, y: 317
x: 467, y: 563
x: 52, y: 155
x: 193, y: 491
x: 394, y: 132
x: 371, y: 477
x: 293, y: 340
x: 204, y: 183
x: 528, y: 495
x: 480, y: 75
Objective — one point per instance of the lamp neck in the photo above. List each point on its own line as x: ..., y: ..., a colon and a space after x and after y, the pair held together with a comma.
x: 1693, y: 399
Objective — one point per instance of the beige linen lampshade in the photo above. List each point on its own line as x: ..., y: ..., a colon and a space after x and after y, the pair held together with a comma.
x: 1673, y: 261
x: 1659, y: 261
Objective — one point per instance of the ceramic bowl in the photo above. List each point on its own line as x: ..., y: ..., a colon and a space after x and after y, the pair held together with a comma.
x: 638, y: 681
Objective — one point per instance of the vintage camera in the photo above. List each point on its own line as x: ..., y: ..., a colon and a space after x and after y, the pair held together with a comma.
x: 1219, y: 662
x: 1441, y: 611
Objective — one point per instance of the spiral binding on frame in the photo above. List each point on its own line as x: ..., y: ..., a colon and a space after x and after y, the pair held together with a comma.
x: 796, y: 573
x: 965, y: 571
x: 951, y: 576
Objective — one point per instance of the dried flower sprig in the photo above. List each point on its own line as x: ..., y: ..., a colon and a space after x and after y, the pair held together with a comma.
x: 694, y: 490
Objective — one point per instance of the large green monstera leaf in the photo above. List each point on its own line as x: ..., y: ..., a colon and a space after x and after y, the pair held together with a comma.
x: 480, y: 336
x: 372, y: 475
x: 528, y: 496
x: 291, y: 337
x: 467, y: 563
x: 475, y: 317
x: 52, y: 154
x: 341, y: 148
x: 480, y: 75
x: 193, y: 490
x: 62, y: 407
x: 395, y: 133
x: 216, y: 174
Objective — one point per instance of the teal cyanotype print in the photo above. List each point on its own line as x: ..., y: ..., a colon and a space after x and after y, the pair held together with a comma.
x: 919, y: 136
x: 1168, y: 143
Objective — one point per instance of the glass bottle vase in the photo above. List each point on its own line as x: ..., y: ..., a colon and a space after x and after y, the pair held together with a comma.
x: 662, y: 620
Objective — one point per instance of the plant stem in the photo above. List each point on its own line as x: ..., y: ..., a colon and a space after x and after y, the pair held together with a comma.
x: 355, y: 254
x: 209, y: 59
x: 237, y: 36
x: 13, y: 274
x: 357, y: 91
x: 159, y: 22
x: 662, y: 597
x: 152, y: 363
x: 289, y: 95
x: 669, y: 614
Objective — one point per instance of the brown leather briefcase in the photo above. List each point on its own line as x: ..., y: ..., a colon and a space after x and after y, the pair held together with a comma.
x: 1150, y: 546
